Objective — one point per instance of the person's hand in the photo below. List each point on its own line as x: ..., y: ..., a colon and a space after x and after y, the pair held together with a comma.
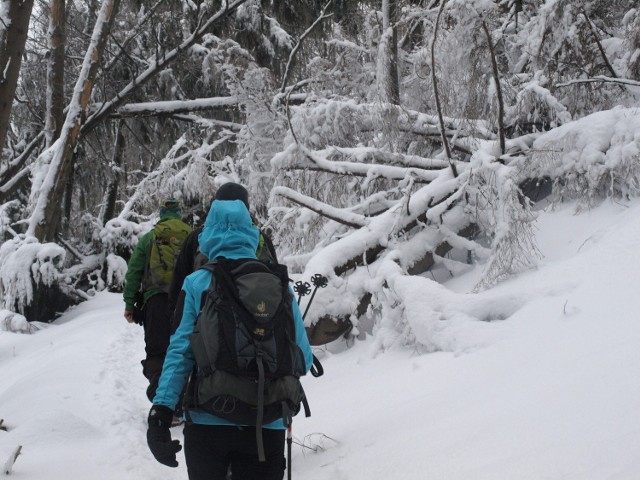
x: 128, y: 314
x: 159, y: 437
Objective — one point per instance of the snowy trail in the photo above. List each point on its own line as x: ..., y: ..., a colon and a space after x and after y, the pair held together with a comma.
x: 124, y: 395
x: 85, y: 380
x: 551, y: 391
x: 122, y: 376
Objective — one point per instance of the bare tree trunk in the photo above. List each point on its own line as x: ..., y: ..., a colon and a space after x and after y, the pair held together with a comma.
x: 434, y: 80
x: 633, y: 37
x: 389, y: 84
x: 496, y: 79
x: 111, y: 195
x: 11, y: 49
x: 45, y: 219
x: 55, y: 72
x: 67, y: 204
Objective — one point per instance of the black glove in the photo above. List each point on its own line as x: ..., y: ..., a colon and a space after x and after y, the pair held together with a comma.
x: 159, y: 436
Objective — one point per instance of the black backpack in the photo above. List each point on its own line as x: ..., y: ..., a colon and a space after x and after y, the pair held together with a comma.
x: 248, y: 361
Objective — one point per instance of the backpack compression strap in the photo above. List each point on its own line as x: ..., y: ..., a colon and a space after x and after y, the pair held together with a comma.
x: 260, y: 413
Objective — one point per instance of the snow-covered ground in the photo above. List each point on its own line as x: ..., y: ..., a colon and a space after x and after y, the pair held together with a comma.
x: 548, y: 387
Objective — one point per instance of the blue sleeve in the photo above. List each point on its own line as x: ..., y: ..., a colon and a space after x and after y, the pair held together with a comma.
x: 301, y: 334
x: 179, y: 361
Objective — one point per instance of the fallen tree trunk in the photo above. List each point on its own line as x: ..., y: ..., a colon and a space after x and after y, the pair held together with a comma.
x: 328, y: 328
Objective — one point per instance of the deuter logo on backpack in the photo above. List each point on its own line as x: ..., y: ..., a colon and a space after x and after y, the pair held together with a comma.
x: 244, y: 345
x: 261, y: 310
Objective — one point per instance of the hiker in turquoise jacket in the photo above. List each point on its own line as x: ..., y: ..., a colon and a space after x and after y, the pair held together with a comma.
x: 212, y: 443
x: 148, y: 292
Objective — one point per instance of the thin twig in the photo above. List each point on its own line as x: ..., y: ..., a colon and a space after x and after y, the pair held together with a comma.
x: 307, y: 32
x: 434, y: 80
x: 496, y: 79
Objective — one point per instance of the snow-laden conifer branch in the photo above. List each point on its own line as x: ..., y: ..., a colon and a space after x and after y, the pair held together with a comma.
x: 207, y: 122
x: 305, y: 34
x: 383, y: 157
x: 25, y: 264
x: 590, y: 158
x: 600, y: 79
x: 158, y: 65
x: 359, y: 119
x: 318, y: 161
x: 17, y: 170
x: 14, y: 165
x: 364, y: 245
x: 172, y: 107
x: 187, y: 171
x: 137, y: 29
x: 513, y: 249
x: 339, y: 215
x: 14, y: 182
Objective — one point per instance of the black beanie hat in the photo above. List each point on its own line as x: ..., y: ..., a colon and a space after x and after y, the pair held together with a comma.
x: 233, y: 191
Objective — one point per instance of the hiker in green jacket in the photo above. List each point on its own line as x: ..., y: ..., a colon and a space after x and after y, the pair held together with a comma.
x: 147, y: 282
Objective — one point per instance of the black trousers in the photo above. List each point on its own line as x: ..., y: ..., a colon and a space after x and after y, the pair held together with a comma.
x: 211, y: 449
x: 157, y: 331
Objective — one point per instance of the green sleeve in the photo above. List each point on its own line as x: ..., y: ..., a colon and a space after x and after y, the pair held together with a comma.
x: 135, y: 271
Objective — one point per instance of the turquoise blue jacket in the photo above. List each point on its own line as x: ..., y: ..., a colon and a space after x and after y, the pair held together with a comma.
x: 228, y: 232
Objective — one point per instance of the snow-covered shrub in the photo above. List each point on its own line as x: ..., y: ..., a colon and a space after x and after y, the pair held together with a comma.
x: 120, y: 236
x: 26, y: 263
x: 592, y: 158
x: 116, y: 271
x: 8, y: 211
x: 505, y: 215
x: 14, y: 322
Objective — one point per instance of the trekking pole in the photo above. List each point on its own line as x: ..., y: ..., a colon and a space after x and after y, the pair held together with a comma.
x: 319, y: 281
x: 289, y: 442
x: 302, y: 289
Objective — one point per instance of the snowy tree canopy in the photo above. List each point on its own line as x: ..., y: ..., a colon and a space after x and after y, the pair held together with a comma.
x: 382, y: 142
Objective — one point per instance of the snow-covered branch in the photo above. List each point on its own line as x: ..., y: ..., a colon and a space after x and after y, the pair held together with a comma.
x: 305, y: 34
x: 172, y: 107
x: 600, y: 79
x: 362, y: 154
x: 159, y: 65
x: 318, y: 161
x: 339, y: 215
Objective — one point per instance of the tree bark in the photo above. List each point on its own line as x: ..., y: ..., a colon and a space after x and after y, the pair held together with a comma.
x: 434, y: 81
x: 45, y: 219
x: 11, y: 51
x: 370, y: 254
x: 111, y: 196
x: 389, y: 84
x: 55, y: 72
x: 496, y: 79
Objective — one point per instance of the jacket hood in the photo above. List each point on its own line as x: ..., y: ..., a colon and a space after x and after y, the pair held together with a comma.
x: 228, y: 231
x: 169, y: 216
